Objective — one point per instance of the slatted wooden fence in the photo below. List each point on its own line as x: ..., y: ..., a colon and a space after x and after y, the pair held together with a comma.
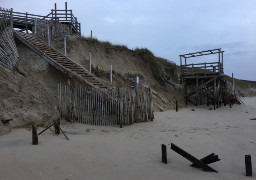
x: 8, y: 50
x: 104, y: 107
x: 5, y: 18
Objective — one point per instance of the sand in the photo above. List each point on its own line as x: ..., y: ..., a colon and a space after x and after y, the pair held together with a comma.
x: 134, y: 152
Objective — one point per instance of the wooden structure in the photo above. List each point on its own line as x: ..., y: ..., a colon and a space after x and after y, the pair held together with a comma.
x: 27, y: 21
x: 104, y: 107
x: 203, y: 82
x: 93, y: 101
x: 8, y: 50
x: 60, y: 61
x: 203, y: 163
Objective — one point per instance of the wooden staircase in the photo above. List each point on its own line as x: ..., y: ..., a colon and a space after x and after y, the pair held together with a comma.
x: 59, y: 61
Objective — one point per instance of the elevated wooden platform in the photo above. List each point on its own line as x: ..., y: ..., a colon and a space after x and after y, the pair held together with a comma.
x: 202, y: 82
x: 27, y: 21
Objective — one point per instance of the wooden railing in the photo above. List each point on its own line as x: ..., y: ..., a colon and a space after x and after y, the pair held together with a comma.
x: 27, y: 20
x: 202, y: 69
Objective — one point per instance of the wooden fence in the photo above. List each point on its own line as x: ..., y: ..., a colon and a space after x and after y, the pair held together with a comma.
x: 5, y: 18
x: 104, y: 107
x: 8, y: 50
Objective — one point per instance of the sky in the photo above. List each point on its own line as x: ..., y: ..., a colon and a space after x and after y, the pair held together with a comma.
x: 168, y: 28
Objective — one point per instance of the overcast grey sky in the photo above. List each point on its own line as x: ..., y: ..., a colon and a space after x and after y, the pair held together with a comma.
x: 167, y: 27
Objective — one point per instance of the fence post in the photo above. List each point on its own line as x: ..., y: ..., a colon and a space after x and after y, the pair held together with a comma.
x: 34, y: 135
x: 66, y: 10
x: 176, y: 102
x: 26, y: 22
x: 65, y: 45
x: 233, y: 84
x: 48, y: 34
x: 137, y: 81
x: 11, y: 18
x: 35, y: 26
x: 90, y: 62
x: 57, y: 127
x: 111, y: 74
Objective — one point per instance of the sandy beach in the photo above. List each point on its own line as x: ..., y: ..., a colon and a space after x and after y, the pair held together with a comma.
x: 134, y: 152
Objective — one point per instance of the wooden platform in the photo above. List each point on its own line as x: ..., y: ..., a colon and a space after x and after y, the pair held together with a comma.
x: 202, y: 81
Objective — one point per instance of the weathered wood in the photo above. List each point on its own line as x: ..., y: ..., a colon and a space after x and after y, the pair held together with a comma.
x: 104, y: 107
x: 34, y: 135
x: 211, y: 158
x: 8, y: 50
x: 164, y: 154
x: 248, y: 165
x: 57, y: 127
x: 191, y: 158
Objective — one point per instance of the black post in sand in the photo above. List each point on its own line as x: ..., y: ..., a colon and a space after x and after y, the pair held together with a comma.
x: 248, y: 165
x: 164, y: 154
x: 34, y: 135
x: 176, y: 106
x: 57, y: 127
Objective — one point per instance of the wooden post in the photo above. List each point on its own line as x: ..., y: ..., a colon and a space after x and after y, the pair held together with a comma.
x: 91, y: 34
x: 35, y: 26
x: 111, y: 74
x: 197, y: 92
x: 137, y: 81
x: 164, y: 154
x: 176, y: 102
x: 233, y: 84
x: 34, y: 135
x: 222, y: 67
x: 65, y: 45
x: 248, y: 165
x: 66, y: 10
x: 11, y: 17
x: 214, y: 94
x: 57, y: 127
x: 55, y: 11
x: 90, y: 62
x: 48, y: 35
x: 26, y: 22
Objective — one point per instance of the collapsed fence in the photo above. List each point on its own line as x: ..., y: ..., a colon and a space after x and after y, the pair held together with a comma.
x: 104, y: 107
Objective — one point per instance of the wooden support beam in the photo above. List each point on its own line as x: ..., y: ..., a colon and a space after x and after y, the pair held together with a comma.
x: 191, y: 158
x: 211, y: 158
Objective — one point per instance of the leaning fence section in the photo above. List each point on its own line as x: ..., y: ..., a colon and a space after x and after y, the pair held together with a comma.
x: 8, y: 50
x: 104, y: 107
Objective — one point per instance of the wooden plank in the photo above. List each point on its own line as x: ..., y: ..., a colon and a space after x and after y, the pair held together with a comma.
x: 191, y: 158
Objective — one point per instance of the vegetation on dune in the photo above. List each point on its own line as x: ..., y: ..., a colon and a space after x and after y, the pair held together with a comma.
x: 162, y: 69
x: 242, y: 83
x: 108, y: 46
